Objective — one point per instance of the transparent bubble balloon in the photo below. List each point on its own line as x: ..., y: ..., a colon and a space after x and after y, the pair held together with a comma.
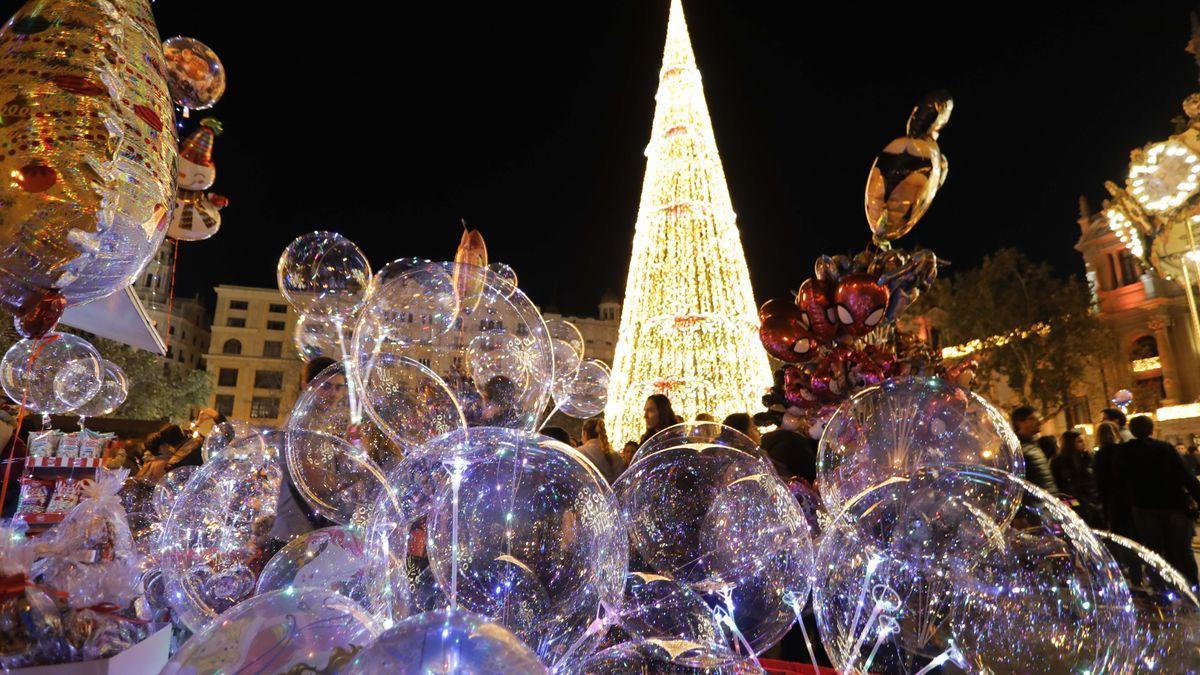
x: 490, y: 346
x: 52, y: 374
x: 113, y: 390
x: 697, y: 433
x: 293, y: 630
x: 537, y: 538
x: 1167, y: 614
x: 566, y: 332
x: 586, y: 393
x: 907, y: 423
x: 505, y: 276
x: 911, y: 576
x: 331, y: 558
x: 446, y: 641
x: 394, y: 269
x: 318, y: 336
x: 333, y: 461
x: 721, y: 521
x: 213, y: 539
x: 324, y: 274
x: 145, y: 523
x: 669, y: 657
x: 223, y: 434
x: 167, y: 490
x: 659, y: 606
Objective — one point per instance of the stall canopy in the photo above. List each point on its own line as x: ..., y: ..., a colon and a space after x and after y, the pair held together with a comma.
x: 119, y: 317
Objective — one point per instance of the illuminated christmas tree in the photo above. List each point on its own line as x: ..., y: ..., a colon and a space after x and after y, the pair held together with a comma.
x: 689, y: 321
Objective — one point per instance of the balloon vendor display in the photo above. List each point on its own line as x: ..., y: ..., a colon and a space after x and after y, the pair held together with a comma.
x: 82, y: 216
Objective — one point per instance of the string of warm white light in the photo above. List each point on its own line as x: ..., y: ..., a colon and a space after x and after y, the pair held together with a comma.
x: 1165, y: 177
x: 1123, y: 227
x: 689, y: 318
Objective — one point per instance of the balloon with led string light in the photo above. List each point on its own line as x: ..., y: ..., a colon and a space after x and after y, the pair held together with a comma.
x: 331, y: 558
x: 53, y: 374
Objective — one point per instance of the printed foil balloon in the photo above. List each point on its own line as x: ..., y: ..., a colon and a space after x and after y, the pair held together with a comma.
x: 213, y: 540
x: 816, y: 307
x: 88, y: 142
x: 446, y: 641
x: 52, y: 374
x: 860, y: 304
x: 300, y: 630
x: 197, y: 213
x: 906, y: 176
x: 784, y: 332
x: 195, y: 76
x: 492, y: 350
x: 905, y: 424
x: 508, y: 524
x: 331, y: 558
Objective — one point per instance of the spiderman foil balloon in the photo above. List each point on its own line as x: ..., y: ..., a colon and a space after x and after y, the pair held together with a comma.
x: 816, y: 307
x: 861, y: 303
x: 784, y: 331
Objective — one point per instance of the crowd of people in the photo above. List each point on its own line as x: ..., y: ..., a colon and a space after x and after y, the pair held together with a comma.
x: 1133, y: 484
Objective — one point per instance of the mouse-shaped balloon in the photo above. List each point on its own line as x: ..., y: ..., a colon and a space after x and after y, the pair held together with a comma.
x: 860, y: 303
x: 906, y: 176
x: 783, y: 332
x: 816, y: 307
x: 197, y: 214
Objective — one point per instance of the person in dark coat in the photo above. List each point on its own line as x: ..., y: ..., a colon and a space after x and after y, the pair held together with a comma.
x: 1159, y: 485
x: 1025, y: 423
x: 792, y: 453
x: 1072, y: 468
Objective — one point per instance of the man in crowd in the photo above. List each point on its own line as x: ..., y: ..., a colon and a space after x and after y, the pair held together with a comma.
x: 792, y: 453
x: 1026, y: 423
x: 1158, y: 485
x: 1117, y: 417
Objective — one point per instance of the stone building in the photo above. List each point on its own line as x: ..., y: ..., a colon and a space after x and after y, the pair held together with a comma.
x: 255, y: 367
x: 600, y: 331
x: 182, y: 323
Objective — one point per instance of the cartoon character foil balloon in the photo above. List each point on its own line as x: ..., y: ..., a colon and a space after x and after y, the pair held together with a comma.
x: 784, y: 333
x: 906, y: 176
x: 87, y: 150
x: 860, y: 303
x: 816, y: 309
x: 197, y: 214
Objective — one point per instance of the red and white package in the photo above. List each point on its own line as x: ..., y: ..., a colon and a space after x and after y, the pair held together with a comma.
x: 68, y: 446
x: 34, y: 494
x: 66, y: 495
x: 44, y: 443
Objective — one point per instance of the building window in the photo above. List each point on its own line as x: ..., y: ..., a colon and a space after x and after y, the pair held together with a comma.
x: 224, y: 404
x: 275, y: 325
x: 1130, y: 270
x: 273, y: 349
x: 232, y: 347
x: 239, y: 304
x: 227, y: 377
x: 278, y: 309
x: 268, y: 379
x: 264, y: 407
x: 1078, y: 412
x: 235, y: 322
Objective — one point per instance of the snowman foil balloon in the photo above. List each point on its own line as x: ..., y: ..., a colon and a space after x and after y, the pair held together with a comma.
x: 197, y: 214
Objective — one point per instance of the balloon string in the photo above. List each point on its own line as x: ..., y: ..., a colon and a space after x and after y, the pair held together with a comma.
x: 16, y: 437
x: 171, y: 293
x: 799, y: 612
x: 547, y: 420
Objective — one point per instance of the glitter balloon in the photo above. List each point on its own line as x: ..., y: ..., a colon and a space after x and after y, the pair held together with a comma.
x: 447, y: 641
x: 324, y: 274
x: 335, y: 462
x: 498, y: 335
x: 195, y: 75
x: 331, y: 558
x: 212, y: 542
x: 291, y: 630
x: 536, y: 535
x: 914, y: 574
x: 52, y: 374
x: 908, y: 423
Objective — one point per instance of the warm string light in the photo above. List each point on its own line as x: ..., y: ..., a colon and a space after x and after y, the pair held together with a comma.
x: 1123, y: 227
x: 1165, y: 177
x: 689, y: 322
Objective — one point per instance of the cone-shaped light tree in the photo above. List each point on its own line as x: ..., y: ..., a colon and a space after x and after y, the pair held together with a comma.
x: 689, y: 321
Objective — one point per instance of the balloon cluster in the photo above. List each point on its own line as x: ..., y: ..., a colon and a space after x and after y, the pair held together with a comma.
x: 838, y: 334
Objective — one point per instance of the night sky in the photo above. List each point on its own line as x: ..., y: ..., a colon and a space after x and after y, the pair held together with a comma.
x: 389, y: 122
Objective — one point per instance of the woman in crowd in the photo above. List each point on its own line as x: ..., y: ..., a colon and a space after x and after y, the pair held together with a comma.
x: 745, y: 424
x: 1072, y: 469
x: 1114, y: 498
x: 598, y: 450
x: 659, y: 415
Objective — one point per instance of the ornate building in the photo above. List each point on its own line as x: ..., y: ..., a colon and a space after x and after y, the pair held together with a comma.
x: 600, y: 331
x: 181, y: 322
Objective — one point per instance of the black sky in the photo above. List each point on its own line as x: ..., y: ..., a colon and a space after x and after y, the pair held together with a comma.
x: 390, y: 121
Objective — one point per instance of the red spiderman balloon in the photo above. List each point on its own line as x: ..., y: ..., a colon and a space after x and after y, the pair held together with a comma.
x: 783, y: 332
x: 817, y: 310
x: 796, y: 381
x: 860, y: 303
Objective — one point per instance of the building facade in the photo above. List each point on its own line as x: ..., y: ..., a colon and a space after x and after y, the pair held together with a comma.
x: 182, y: 323
x: 253, y: 361
x: 600, y: 331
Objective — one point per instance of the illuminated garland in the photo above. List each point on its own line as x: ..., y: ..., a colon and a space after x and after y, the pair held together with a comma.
x: 689, y: 321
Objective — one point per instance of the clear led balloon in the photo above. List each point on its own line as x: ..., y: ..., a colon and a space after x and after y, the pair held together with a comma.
x: 300, y: 630
x: 212, y: 541
x: 505, y: 276
x: 318, y: 336
x: 145, y: 523
x: 567, y: 348
x: 447, y: 641
x: 913, y: 575
x: 394, y: 269
x: 52, y: 374
x: 323, y: 274
x: 585, y: 394
x: 1166, y: 635
x: 195, y: 76
x: 657, y: 606
x: 330, y: 558
x: 334, y: 462
x: 536, y: 535
x: 697, y: 433
x: 908, y: 423
x: 112, y: 393
x: 224, y: 433
x: 167, y: 490
x: 491, y: 348
x: 669, y: 657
